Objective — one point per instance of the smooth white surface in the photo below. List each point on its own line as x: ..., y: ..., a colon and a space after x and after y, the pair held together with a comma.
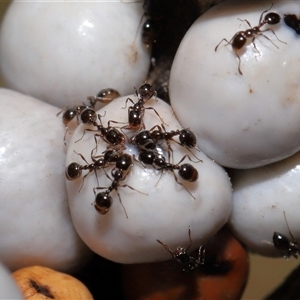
x: 260, y: 196
x: 242, y: 121
x: 35, y: 224
x: 63, y: 51
x: 8, y: 287
x: 165, y: 213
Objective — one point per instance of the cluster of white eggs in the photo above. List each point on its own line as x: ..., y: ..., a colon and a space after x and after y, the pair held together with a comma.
x: 62, y: 52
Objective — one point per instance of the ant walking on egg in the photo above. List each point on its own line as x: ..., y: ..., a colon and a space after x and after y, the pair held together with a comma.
x: 109, y: 134
x: 137, y: 111
x: 189, y: 263
x: 282, y: 243
x: 104, y: 96
x: 103, y: 200
x: 239, y: 40
x: 74, y: 169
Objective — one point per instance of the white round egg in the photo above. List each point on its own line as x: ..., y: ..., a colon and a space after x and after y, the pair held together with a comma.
x: 154, y: 204
x: 267, y: 200
x: 35, y: 223
x: 241, y: 120
x: 64, y: 51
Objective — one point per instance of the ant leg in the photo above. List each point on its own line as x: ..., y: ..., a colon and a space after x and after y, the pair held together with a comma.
x: 126, y: 185
x: 161, y: 119
x: 122, y: 204
x: 254, y: 45
x: 288, y: 226
x: 167, y: 248
x: 216, y: 48
x: 84, y: 134
x: 239, y: 67
x: 126, y: 102
x: 187, y: 156
x: 261, y: 16
x: 65, y: 135
x: 270, y: 29
x: 244, y: 20
x: 190, y: 239
x: 182, y: 185
x: 201, y: 255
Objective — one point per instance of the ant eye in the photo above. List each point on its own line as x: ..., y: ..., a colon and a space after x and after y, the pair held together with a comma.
x: 73, y: 171
x: 102, y: 203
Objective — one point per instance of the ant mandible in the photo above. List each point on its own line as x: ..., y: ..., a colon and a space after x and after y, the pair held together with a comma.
x: 188, y: 262
x: 282, y: 243
x: 239, y: 40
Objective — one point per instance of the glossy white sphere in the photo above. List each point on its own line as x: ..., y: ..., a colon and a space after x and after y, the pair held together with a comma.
x: 63, y: 51
x: 35, y: 223
x: 262, y: 198
x: 242, y: 121
x: 128, y: 232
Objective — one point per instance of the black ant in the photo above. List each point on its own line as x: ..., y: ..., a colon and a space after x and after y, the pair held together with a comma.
x: 74, y: 169
x: 282, y: 243
x: 105, y: 95
x: 137, y: 111
x: 188, y: 262
x: 109, y: 134
x: 239, y: 40
x: 186, y: 171
x: 103, y: 200
x: 293, y: 22
x: 186, y: 137
x: 69, y: 114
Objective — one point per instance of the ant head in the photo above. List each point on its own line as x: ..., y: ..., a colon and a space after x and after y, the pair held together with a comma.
x: 187, y: 138
x: 146, y: 91
x: 88, y: 116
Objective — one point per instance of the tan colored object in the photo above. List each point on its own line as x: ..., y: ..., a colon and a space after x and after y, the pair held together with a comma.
x: 42, y: 283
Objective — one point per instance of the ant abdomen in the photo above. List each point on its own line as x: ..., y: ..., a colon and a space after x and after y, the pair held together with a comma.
x: 272, y: 18
x: 102, y: 203
x: 146, y: 91
x: 280, y: 241
x: 188, y: 172
x: 73, y: 171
